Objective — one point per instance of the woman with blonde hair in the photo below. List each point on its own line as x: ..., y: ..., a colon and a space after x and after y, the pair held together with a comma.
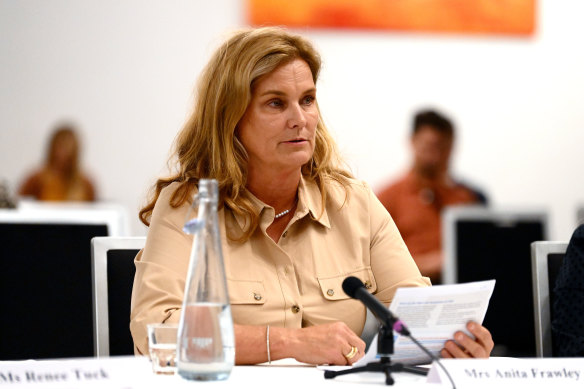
x: 60, y: 179
x: 294, y: 224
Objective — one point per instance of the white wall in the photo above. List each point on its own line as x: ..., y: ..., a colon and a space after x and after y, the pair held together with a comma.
x: 125, y: 72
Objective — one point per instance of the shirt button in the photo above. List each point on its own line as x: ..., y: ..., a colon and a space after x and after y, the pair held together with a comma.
x: 368, y: 285
x: 295, y: 309
x: 330, y: 292
x: 257, y: 296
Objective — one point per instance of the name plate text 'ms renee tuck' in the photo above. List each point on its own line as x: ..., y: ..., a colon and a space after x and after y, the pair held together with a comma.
x: 110, y: 373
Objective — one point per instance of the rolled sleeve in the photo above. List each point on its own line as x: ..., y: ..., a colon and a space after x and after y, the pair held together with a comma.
x: 161, y: 269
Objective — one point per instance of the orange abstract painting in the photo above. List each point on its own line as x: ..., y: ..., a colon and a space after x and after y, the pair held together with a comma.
x: 508, y: 17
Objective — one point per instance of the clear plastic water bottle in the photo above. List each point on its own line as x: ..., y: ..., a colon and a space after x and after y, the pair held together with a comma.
x: 206, y: 343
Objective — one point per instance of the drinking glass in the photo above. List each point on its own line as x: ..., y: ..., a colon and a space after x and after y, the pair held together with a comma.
x: 162, y: 347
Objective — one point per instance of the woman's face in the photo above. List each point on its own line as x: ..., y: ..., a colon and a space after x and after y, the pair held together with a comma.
x: 279, y: 125
x: 64, y: 153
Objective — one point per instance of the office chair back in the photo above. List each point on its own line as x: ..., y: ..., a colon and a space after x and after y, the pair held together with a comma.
x: 546, y: 260
x: 484, y: 243
x: 113, y: 277
x: 45, y: 280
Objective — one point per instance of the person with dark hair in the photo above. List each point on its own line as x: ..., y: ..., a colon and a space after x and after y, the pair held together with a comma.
x: 416, y: 200
x: 568, y: 305
x: 60, y: 179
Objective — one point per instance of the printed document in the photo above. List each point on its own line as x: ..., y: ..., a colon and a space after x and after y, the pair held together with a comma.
x: 433, y: 315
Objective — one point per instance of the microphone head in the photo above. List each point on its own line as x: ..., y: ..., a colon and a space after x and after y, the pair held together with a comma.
x: 351, y: 285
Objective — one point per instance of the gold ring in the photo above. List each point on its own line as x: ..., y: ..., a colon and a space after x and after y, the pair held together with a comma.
x: 352, y: 353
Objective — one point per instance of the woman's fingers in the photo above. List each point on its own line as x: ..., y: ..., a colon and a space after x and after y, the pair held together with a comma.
x: 359, y: 346
x: 445, y: 354
x: 483, y: 337
x: 455, y: 350
x: 333, y: 343
x: 464, y: 346
x: 355, y: 353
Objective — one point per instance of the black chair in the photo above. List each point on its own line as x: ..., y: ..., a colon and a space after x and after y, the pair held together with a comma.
x: 45, y: 280
x: 113, y: 277
x: 482, y: 243
x: 546, y: 260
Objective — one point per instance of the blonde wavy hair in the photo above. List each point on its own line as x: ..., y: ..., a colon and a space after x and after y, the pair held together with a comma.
x: 207, y: 146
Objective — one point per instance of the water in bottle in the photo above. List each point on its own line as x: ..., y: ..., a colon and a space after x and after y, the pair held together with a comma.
x: 206, y: 344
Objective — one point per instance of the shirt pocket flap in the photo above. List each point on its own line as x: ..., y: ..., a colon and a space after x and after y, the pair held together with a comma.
x: 246, y: 292
x: 332, y: 287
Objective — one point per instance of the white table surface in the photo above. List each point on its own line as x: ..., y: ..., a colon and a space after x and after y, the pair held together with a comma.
x: 136, y: 372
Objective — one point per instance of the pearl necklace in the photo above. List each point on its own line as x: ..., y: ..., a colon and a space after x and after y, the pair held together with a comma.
x: 279, y: 215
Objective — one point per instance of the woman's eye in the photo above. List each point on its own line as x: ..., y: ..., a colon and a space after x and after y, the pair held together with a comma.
x: 275, y: 103
x: 308, y: 100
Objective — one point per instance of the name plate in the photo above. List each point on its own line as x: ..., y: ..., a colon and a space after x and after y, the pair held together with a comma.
x: 510, y: 372
x: 111, y: 373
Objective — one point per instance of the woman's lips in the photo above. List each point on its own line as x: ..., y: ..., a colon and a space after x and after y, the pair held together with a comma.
x: 294, y: 141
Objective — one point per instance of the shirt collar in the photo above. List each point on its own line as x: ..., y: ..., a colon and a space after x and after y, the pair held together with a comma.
x: 309, y: 202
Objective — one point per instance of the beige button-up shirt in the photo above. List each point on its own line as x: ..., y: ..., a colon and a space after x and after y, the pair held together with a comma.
x: 293, y: 283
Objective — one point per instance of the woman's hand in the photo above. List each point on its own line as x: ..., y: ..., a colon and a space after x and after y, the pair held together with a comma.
x: 463, y: 346
x: 326, y: 344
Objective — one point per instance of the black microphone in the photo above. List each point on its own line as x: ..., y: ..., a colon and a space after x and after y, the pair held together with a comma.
x: 353, y: 287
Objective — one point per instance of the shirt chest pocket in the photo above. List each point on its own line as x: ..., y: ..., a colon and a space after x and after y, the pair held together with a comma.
x: 332, y: 286
x: 246, y: 292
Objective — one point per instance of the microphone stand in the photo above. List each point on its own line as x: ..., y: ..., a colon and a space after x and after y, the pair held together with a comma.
x: 384, y: 365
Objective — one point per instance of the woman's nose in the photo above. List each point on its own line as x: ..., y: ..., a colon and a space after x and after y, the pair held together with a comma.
x: 297, y: 116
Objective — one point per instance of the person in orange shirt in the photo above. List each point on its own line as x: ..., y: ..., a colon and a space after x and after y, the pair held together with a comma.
x: 60, y: 179
x: 416, y: 200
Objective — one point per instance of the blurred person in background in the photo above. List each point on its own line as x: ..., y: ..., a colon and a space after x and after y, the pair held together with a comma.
x: 60, y: 179
x: 416, y: 200
x: 6, y: 197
